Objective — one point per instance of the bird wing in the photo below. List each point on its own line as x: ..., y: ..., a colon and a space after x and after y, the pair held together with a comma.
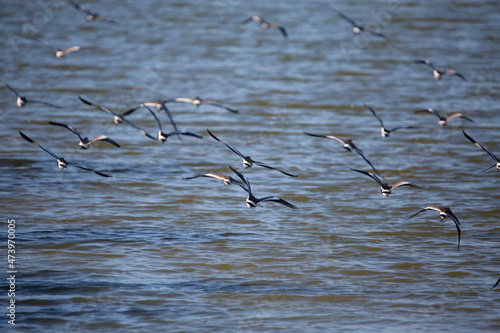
x: 278, y: 200
x: 458, y: 115
x: 434, y: 112
x: 89, y: 169
x: 420, y: 211
x: 104, y: 138
x: 401, y: 127
x: 453, y: 72
x: 169, y: 114
x: 427, y: 62
x: 347, y: 18
x: 457, y: 224
x: 25, y: 137
x: 264, y: 165
x: 481, y: 146
x: 80, y: 7
x: 74, y: 131
x: 10, y: 88
x: 496, y: 284
x: 364, y: 157
x: 228, y: 146
x: 374, y: 177
x: 183, y: 133
x: 244, y: 179
x: 140, y: 129
x: 207, y: 101
x: 181, y: 100
x: 97, y: 106
x: 42, y: 102
x: 327, y: 136
x: 376, y: 33
x: 154, y: 115
x: 71, y: 49
x: 375, y: 114
x: 403, y: 183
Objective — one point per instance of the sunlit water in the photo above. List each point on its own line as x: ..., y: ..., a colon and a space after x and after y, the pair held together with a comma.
x: 147, y: 250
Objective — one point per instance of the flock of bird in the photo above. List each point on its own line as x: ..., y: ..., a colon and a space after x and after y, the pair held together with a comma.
x: 251, y: 200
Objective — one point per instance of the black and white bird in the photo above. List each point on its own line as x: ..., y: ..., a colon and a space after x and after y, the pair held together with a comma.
x: 61, y: 162
x: 84, y: 141
x: 252, y: 201
x: 385, y: 132
x: 497, y: 164
x: 227, y: 180
x: 438, y: 73
x: 162, y: 136
x: 266, y: 25
x: 161, y: 105
x: 444, y: 212
x: 22, y: 101
x: 443, y: 121
x: 91, y: 16
x: 247, y: 160
x: 59, y: 53
x: 118, y: 118
x: 385, y: 188
x: 357, y: 28
x: 348, y: 145
x: 197, y: 101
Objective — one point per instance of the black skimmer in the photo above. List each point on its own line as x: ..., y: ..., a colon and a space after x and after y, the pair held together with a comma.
x: 91, y: 16
x: 266, y: 25
x: 443, y: 121
x: 438, y: 73
x: 385, y: 188
x: 197, y: 101
x: 497, y: 164
x: 162, y: 136
x: 357, y: 28
x: 22, y: 101
x: 385, y: 132
x: 84, y: 141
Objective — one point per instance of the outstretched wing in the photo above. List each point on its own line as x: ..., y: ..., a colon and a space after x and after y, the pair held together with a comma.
x: 228, y: 146
x: 481, y: 146
x: 104, y: 138
x: 97, y: 106
x: 74, y: 131
x: 364, y: 157
x: 347, y: 18
x: 369, y: 174
x: 207, y: 101
x: 326, y: 136
x: 458, y: 115
x: 183, y: 133
x: 278, y: 200
x: 403, y: 183
x: 25, y: 137
x: 89, y: 169
x: 244, y: 179
x: 375, y: 114
x: 10, y: 88
x: 264, y: 165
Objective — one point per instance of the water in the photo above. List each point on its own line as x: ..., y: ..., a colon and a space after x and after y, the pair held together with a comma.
x: 146, y: 250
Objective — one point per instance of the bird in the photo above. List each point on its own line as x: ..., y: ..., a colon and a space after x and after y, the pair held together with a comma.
x: 496, y: 284
x: 444, y: 212
x: 59, y: 53
x: 252, y: 201
x: 91, y: 16
x: 359, y: 28
x: 227, y: 180
x: 162, y: 136
x: 197, y: 101
x: 84, y: 141
x: 348, y: 145
x: 61, y: 162
x: 443, y: 121
x: 266, y: 25
x: 497, y: 164
x: 118, y: 118
x: 22, y: 101
x: 385, y: 188
x: 385, y: 132
x: 247, y: 160
x: 438, y: 73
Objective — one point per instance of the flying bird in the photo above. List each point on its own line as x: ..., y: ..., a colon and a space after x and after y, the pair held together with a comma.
x: 438, y: 73
x: 385, y: 188
x: 162, y: 136
x: 252, y: 201
x: 91, y: 16
x: 22, y: 101
x: 266, y: 25
x: 84, y: 141
x: 61, y: 162
x: 385, y: 132
x: 444, y: 212
x: 197, y: 101
x: 247, y: 160
x: 227, y: 180
x: 443, y: 121
x: 59, y: 53
x: 161, y: 105
x: 118, y: 118
x: 357, y: 28
x: 497, y: 164
x: 348, y: 145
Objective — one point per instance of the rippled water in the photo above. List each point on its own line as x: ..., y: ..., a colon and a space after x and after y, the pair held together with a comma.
x: 147, y: 250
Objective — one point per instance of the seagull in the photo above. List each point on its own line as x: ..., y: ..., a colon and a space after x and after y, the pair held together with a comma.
x: 266, y: 25
x: 61, y: 162
x: 443, y: 121
x: 92, y: 16
x: 252, y: 201
x: 497, y: 164
x: 383, y: 130
x: 438, y: 73
x: 496, y: 284
x: 160, y: 105
x: 247, y: 160
x: 84, y: 141
x: 22, y: 101
x: 197, y: 101
x: 119, y: 118
x: 385, y: 188
x: 359, y: 28
x: 227, y: 180
x: 444, y: 212
x: 348, y: 145
x: 162, y: 136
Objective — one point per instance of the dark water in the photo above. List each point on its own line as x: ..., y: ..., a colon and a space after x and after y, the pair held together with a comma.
x: 146, y: 250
